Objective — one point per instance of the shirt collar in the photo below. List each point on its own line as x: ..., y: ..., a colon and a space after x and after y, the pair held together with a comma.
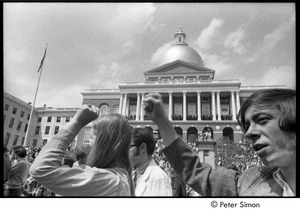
x: 287, y: 191
x: 141, y: 169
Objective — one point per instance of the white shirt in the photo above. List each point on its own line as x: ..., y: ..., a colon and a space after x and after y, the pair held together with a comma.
x: 287, y: 191
x: 153, y: 182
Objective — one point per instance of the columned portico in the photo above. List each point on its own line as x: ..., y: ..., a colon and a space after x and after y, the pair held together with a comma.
x: 215, y: 103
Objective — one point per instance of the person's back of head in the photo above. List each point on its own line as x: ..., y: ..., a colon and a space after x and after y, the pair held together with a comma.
x: 141, y: 135
x: 110, y: 144
x: 68, y: 160
x: 20, y: 151
x: 283, y: 100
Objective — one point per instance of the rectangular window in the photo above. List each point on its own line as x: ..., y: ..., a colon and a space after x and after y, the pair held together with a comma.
x: 22, y: 114
x: 37, y: 130
x: 28, y: 116
x: 49, y: 119
x: 11, y: 123
x: 45, y: 142
x: 87, y: 136
x: 47, y: 130
x: 58, y: 119
x: 6, y: 106
x: 15, y: 140
x: 205, y: 109
x: 67, y: 119
x: 19, y: 125
x: 56, y: 130
x: 6, y: 139
x: 34, y: 142
x: 15, y: 110
x: 25, y: 129
x: 40, y: 119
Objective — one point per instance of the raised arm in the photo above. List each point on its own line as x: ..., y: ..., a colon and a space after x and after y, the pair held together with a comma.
x: 154, y: 108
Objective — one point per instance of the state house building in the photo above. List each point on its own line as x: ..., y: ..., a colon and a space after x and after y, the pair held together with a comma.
x: 194, y: 102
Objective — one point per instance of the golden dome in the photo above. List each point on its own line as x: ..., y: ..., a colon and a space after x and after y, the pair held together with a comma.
x: 180, y: 51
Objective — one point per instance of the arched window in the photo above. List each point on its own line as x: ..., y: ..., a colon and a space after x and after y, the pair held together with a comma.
x: 207, y: 133
x: 178, y: 131
x: 228, y: 133
x: 192, y: 135
x: 104, y: 109
x: 116, y: 109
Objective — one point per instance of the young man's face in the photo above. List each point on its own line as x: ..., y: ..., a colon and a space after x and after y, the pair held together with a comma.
x: 271, y: 144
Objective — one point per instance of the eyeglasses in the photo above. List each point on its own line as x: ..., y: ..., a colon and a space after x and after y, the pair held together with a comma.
x: 133, y: 145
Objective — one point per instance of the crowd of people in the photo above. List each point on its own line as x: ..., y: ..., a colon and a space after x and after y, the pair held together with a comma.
x: 120, y: 161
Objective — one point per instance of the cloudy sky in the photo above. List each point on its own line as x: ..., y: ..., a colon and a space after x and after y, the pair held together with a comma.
x: 99, y: 45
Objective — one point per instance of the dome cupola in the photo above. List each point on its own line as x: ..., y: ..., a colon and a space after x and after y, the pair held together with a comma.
x: 180, y: 51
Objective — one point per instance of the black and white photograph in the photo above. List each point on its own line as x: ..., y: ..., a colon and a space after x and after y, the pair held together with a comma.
x: 144, y: 101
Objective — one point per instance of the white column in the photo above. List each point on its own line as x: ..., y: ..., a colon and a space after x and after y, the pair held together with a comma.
x: 213, y: 105
x: 124, y: 104
x: 142, y: 107
x: 127, y: 106
x: 233, y: 106
x: 238, y: 105
x: 218, y: 105
x: 184, y: 106
x: 170, y: 106
x: 120, y: 104
x: 199, y: 106
x: 138, y: 107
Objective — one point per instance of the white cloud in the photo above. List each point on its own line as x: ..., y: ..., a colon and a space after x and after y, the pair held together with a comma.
x: 68, y: 97
x: 272, y: 39
x: 280, y: 76
x: 204, y: 41
x: 217, y: 63
x: 283, y: 75
x: 132, y: 18
x: 155, y: 56
x: 234, y: 41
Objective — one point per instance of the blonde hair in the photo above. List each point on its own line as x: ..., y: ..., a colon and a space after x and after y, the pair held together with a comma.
x: 112, y: 144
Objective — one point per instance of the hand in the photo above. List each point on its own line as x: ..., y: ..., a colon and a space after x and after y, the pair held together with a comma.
x: 154, y: 107
x: 86, y: 114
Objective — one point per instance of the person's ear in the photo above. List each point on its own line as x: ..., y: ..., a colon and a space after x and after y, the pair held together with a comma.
x: 143, y: 148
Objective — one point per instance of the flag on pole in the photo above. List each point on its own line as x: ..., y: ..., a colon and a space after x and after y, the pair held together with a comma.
x: 42, y: 62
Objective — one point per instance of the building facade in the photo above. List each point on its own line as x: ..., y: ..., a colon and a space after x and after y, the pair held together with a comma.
x: 16, y: 116
x: 199, y: 107
x: 45, y: 122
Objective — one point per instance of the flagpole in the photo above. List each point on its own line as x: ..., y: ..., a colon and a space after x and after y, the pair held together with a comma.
x: 36, y: 91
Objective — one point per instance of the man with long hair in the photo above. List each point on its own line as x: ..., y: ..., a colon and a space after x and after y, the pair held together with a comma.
x: 268, y: 120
